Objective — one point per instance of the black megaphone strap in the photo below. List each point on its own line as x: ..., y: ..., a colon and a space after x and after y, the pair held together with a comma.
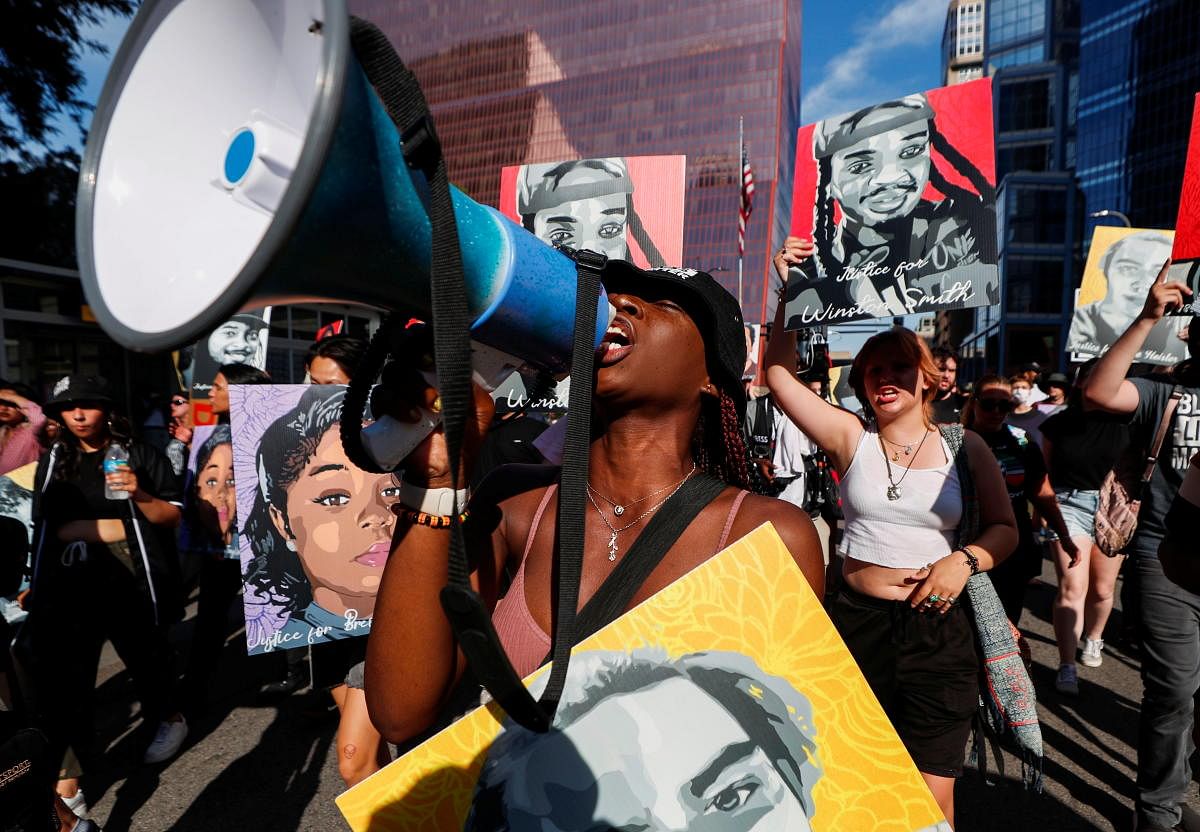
x: 401, y: 96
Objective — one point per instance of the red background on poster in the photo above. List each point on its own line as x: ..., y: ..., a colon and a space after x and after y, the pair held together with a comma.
x: 658, y: 186
x: 1187, y: 226
x: 963, y: 114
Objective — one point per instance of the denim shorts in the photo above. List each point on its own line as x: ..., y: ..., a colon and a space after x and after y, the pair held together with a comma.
x: 1078, y: 509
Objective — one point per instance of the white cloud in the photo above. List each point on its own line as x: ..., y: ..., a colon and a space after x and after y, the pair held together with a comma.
x: 846, y: 84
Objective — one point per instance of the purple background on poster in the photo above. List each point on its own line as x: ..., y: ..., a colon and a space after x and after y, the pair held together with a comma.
x: 252, y: 409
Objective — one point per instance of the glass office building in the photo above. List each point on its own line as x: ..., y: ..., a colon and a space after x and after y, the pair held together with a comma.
x: 514, y: 83
x: 1139, y: 73
x: 1031, y: 50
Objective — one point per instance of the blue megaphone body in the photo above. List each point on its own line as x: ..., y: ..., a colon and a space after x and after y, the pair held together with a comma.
x: 239, y: 157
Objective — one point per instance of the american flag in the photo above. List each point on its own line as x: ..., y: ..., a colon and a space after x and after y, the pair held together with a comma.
x: 747, y: 201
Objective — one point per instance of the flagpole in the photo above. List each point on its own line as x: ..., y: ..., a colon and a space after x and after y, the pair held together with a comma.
x: 741, y: 184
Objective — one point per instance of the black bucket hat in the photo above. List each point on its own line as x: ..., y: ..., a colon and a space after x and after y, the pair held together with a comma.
x: 720, y: 319
x: 77, y: 388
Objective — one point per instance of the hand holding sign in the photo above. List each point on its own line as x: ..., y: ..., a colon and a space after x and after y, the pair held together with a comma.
x: 1165, y: 296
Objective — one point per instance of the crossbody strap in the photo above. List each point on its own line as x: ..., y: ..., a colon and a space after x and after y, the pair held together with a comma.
x: 613, y: 596
x: 1160, y: 435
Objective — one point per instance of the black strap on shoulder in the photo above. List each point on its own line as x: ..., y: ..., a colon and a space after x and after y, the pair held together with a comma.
x: 401, y: 95
x: 572, y: 489
x: 646, y: 553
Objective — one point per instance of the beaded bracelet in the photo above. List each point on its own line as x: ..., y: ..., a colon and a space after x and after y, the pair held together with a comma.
x: 434, y: 521
x: 972, y: 561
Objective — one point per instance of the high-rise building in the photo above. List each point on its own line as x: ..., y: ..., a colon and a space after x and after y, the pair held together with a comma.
x: 513, y: 83
x: 962, y: 41
x: 1031, y: 49
x: 1138, y: 73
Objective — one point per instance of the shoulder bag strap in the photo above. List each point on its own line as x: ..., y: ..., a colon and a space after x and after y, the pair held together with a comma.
x: 1160, y: 435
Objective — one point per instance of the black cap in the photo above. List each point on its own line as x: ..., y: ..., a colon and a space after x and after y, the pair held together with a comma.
x: 721, y: 326
x: 77, y: 388
x: 250, y: 319
x: 1057, y: 380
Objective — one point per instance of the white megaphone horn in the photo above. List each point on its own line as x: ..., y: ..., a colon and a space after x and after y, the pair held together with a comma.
x: 238, y: 158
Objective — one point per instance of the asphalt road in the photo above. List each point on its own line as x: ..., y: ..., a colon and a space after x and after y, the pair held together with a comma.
x: 273, y: 767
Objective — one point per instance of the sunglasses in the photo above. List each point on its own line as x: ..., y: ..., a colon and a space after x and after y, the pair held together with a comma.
x: 995, y: 405
x: 7, y: 403
x: 179, y: 402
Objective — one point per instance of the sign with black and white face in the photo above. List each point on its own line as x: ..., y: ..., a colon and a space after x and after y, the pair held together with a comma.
x: 899, y: 201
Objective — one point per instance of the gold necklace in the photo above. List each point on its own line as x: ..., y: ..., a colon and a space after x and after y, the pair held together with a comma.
x: 907, y: 446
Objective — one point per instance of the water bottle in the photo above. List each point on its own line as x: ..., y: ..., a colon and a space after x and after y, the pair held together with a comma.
x: 116, y: 459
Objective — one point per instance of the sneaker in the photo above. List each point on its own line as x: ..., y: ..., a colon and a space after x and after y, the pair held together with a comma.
x: 167, y: 740
x: 1067, y: 681
x: 76, y: 803
x: 1091, y: 653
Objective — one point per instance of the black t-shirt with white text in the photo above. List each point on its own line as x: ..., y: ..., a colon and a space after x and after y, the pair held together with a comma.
x: 1181, y: 443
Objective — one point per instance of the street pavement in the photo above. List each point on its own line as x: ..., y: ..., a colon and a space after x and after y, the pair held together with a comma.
x: 268, y: 767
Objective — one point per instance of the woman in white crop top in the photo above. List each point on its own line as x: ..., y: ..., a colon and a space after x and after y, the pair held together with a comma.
x: 898, y: 608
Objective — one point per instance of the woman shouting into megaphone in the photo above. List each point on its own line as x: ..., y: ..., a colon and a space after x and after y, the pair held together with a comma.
x: 668, y: 407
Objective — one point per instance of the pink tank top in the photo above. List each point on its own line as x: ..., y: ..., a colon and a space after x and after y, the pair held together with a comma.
x: 524, y: 641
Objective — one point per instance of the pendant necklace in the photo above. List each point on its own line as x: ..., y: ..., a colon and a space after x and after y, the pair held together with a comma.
x: 620, y: 508
x: 893, y: 489
x: 612, y: 540
x: 907, y: 446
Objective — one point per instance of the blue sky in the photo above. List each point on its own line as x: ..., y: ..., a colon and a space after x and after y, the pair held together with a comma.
x: 880, y: 50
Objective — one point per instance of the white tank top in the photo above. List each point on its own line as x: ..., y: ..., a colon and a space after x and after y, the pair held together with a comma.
x: 907, y: 533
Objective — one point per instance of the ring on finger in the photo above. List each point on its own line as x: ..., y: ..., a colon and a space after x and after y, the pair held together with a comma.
x: 933, y: 599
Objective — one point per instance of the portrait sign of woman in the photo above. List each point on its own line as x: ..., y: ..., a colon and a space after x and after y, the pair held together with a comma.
x: 212, y: 501
x: 318, y: 528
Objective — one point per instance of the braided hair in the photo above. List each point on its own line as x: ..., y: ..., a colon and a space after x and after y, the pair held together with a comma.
x: 717, y: 445
x: 823, y: 225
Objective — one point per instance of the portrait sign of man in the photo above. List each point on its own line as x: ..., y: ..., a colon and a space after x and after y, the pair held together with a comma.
x: 902, y: 217
x: 240, y: 340
x: 1121, y: 266
x: 624, y: 208
x: 699, y: 709
x: 626, y: 753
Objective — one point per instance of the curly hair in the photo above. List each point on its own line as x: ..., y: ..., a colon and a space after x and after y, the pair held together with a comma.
x: 285, y: 449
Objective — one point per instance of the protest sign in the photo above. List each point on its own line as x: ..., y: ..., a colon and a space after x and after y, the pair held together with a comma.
x: 315, y: 530
x: 1121, y: 266
x: 210, y: 508
x: 1185, y: 256
x: 725, y: 701
x: 16, y: 495
x: 899, y: 199
x: 240, y: 340
x: 627, y: 208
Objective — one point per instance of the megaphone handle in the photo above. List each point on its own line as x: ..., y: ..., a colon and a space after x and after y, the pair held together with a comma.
x: 368, y: 369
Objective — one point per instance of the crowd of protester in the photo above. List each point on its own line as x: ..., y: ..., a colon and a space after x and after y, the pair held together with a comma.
x: 889, y: 510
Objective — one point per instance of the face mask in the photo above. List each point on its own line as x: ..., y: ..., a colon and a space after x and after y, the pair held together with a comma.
x: 1022, y: 396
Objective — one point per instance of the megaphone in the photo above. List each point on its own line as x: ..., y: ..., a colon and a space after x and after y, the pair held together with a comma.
x: 238, y: 157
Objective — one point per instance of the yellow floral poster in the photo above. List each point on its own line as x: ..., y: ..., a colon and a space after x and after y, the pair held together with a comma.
x: 726, y: 702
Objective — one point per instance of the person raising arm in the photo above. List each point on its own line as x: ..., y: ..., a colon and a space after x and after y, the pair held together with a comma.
x: 903, y: 504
